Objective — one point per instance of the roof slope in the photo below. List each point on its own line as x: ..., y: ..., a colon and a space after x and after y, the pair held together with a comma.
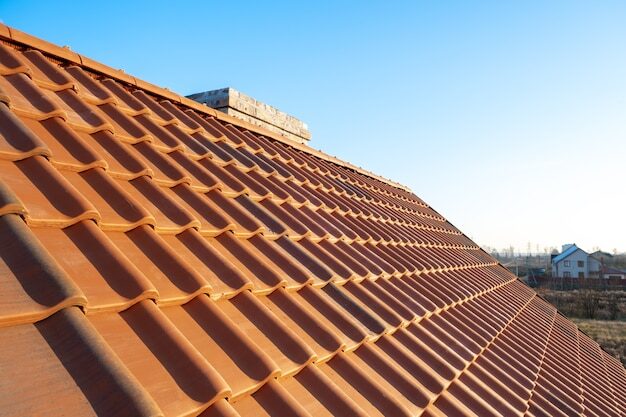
x: 158, y: 259
x: 566, y: 253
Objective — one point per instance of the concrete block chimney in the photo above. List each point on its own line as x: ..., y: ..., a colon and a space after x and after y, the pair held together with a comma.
x: 244, y: 107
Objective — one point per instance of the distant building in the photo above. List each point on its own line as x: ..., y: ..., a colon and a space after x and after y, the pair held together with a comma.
x: 602, y: 256
x: 613, y: 273
x: 573, y: 262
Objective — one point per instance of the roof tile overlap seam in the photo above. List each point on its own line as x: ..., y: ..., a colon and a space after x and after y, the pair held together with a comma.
x: 434, y: 399
x: 606, y: 374
x: 541, y: 361
x: 586, y: 398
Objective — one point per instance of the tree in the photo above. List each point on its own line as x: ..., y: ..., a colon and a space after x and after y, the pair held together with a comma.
x: 613, y: 305
x: 589, y: 301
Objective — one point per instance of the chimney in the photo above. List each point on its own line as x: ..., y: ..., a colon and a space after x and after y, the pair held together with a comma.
x: 241, y: 106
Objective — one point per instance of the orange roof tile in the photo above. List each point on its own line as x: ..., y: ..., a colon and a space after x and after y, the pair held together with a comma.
x: 161, y: 258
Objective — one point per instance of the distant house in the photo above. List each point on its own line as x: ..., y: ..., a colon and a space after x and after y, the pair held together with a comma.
x: 612, y: 273
x: 602, y: 256
x: 573, y: 262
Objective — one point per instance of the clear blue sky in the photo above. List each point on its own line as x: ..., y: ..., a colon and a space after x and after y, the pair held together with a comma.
x: 509, y: 118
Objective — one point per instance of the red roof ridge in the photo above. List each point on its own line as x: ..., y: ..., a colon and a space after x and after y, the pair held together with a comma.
x: 13, y: 35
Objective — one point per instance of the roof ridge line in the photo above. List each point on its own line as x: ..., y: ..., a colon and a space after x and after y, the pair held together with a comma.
x: 65, y: 53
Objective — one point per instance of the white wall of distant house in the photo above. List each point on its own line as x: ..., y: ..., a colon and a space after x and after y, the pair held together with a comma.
x: 594, y: 266
x: 569, y: 267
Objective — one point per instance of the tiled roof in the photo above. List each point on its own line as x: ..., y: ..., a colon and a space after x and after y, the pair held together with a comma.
x: 160, y: 259
x: 567, y: 252
x: 610, y: 270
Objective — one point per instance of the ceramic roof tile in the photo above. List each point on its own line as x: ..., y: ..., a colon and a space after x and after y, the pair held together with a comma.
x: 27, y: 99
x: 109, y: 280
x: 33, y: 284
x: 272, y: 400
x: 49, y: 199
x: 176, y: 375
x: 211, y: 261
x: 162, y: 116
x: 237, y: 358
x: 89, y: 89
x: 170, y: 217
x: 376, y: 395
x: 174, y: 279
x: 11, y: 61
x: 221, y: 408
x: 17, y: 141
x: 67, y: 148
x: 262, y: 326
x: 160, y: 258
x: 75, y: 371
x: 320, y: 395
x: 116, y: 208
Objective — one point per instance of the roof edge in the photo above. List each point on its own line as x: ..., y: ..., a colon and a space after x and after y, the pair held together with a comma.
x: 65, y: 53
x: 567, y: 253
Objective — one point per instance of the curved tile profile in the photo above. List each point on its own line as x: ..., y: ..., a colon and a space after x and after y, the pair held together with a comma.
x: 273, y: 338
x: 87, y: 87
x: 26, y: 99
x: 174, y: 279
x: 170, y: 217
x: 244, y: 367
x: 179, y: 379
x: 213, y: 221
x: 49, y: 199
x: 78, y: 114
x: 109, y: 280
x: 271, y: 400
x: 125, y: 100
x: 9, y: 203
x: 68, y: 149
x: 45, y: 73
x: 33, y: 286
x: 312, y: 332
x: 217, y: 268
x: 122, y: 159
x: 117, y: 209
x: 12, y: 62
x: 16, y: 140
x: 220, y: 408
x: 161, y: 258
x: 75, y: 371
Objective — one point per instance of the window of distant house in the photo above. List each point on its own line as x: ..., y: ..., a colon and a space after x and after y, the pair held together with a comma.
x: 581, y: 275
x: 566, y: 274
x: 581, y: 264
x: 565, y: 263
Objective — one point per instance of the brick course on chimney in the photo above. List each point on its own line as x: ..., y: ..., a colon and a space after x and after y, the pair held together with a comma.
x: 244, y: 107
